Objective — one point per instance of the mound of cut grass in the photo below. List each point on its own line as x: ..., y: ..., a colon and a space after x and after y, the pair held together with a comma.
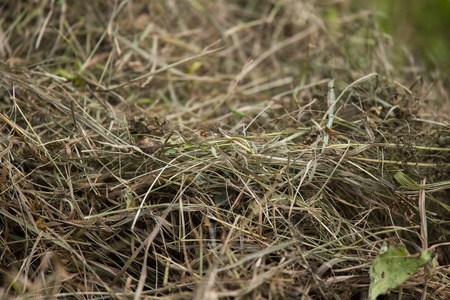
x: 215, y: 150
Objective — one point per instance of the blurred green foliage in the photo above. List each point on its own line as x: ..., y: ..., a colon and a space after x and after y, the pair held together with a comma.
x: 422, y: 25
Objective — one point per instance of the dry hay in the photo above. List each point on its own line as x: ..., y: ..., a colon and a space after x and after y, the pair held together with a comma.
x: 214, y: 150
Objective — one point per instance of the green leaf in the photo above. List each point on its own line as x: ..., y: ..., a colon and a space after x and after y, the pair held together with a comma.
x: 194, y: 67
x: 145, y: 101
x: 214, y: 151
x: 77, y: 80
x: 171, y: 151
x: 67, y: 75
x: 408, y: 183
x: 236, y: 112
x: 392, y: 267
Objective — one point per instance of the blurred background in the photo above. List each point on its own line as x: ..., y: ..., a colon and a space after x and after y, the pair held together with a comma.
x: 423, y: 26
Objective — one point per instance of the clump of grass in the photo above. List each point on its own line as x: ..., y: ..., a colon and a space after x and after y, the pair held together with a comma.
x: 206, y: 150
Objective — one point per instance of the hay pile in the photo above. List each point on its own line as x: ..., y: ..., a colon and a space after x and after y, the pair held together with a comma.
x: 214, y: 150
